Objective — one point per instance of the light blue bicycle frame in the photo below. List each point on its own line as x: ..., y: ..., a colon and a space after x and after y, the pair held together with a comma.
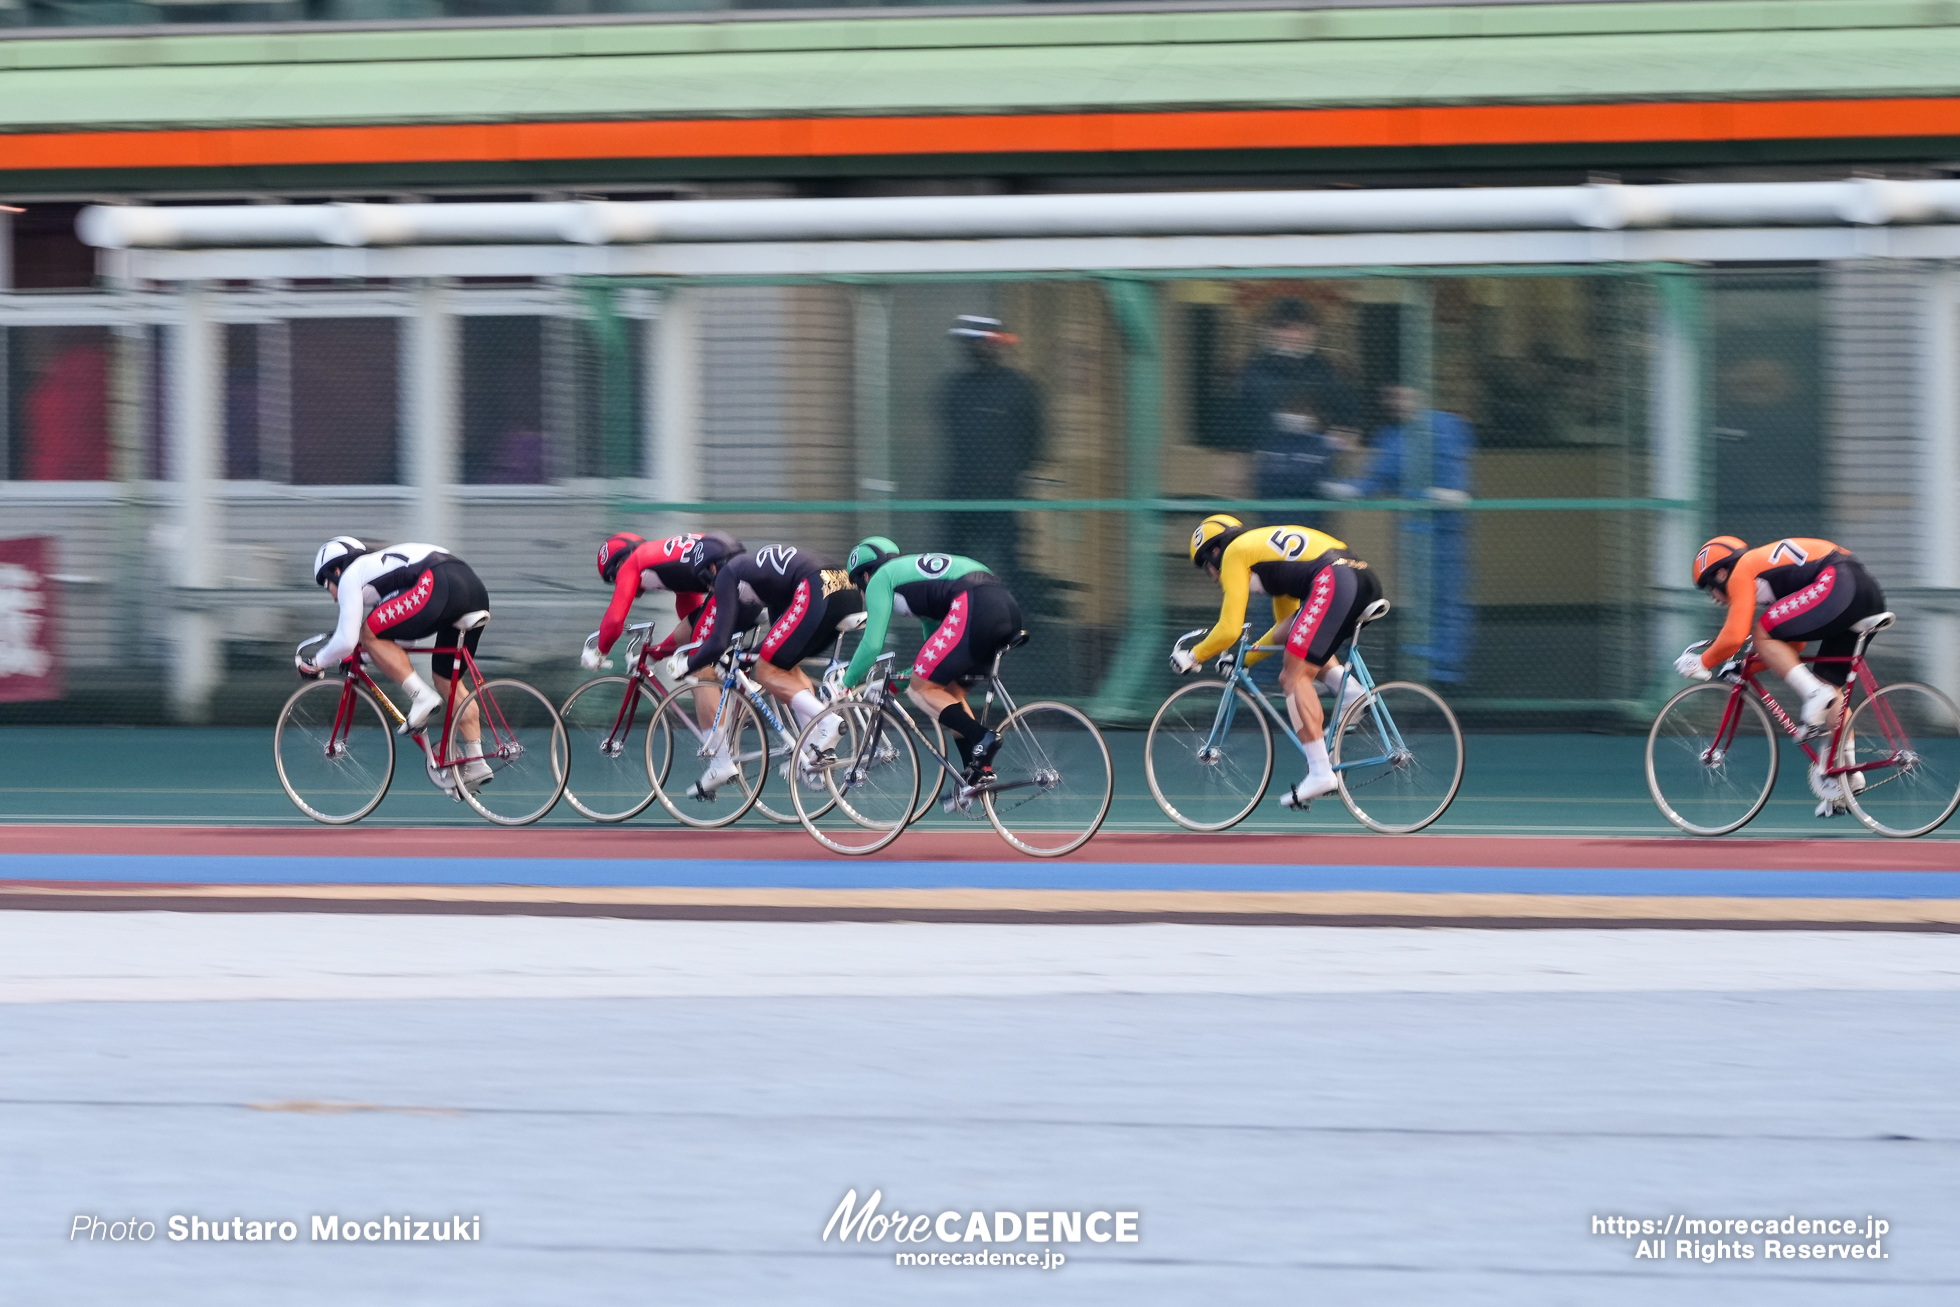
x: 1355, y: 669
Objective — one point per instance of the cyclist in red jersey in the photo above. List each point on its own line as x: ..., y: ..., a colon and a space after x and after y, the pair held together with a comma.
x: 633, y: 566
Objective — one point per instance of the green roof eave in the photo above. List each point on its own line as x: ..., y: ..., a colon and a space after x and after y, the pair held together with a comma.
x: 1014, y: 62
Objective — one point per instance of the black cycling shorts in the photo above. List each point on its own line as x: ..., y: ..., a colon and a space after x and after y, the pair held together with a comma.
x: 1842, y: 594
x: 981, y: 622
x: 809, y: 622
x: 1331, y: 610
x: 441, y: 594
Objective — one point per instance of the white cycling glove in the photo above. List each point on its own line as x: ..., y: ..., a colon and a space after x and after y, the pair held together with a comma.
x: 1689, y: 665
x: 677, y: 666
x: 1183, y: 663
x: 589, y: 658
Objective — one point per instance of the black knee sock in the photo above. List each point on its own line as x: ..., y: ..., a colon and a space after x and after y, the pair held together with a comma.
x: 955, y: 718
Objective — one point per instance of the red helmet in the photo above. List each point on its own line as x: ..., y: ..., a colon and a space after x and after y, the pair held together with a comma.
x: 612, y: 554
x: 1715, y: 555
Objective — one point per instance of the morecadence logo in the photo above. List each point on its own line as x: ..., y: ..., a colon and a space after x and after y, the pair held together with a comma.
x: 865, y: 1223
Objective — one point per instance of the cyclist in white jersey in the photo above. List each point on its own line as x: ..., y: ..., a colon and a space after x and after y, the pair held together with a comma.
x: 404, y: 592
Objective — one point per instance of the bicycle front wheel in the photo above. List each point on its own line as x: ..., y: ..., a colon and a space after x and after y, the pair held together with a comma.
x: 1054, y: 780
x: 334, y: 766
x: 606, y: 724
x: 1906, y: 739
x: 1398, y: 756
x: 718, y: 770
x: 856, y: 794
x: 526, y: 758
x: 1209, y: 756
x: 1711, y: 758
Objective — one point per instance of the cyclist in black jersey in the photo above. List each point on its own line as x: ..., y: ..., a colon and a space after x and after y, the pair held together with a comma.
x: 807, y: 595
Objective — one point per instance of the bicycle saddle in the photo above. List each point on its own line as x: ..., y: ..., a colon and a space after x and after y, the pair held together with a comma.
x: 855, y: 622
x: 470, y: 621
x: 1874, y: 624
x: 1373, y: 611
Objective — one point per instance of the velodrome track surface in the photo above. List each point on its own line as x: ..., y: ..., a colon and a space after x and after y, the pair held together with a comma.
x: 652, y: 1061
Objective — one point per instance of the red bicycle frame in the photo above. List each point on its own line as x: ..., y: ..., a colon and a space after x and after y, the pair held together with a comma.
x: 356, y: 674
x: 1743, y: 680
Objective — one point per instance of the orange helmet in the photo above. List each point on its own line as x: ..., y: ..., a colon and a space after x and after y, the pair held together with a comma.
x: 1715, y: 555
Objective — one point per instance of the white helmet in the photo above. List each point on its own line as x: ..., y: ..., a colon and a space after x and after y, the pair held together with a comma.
x: 334, y: 555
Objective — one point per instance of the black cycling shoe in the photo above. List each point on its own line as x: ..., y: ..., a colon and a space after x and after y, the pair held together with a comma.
x: 984, y: 749
x: 979, y: 774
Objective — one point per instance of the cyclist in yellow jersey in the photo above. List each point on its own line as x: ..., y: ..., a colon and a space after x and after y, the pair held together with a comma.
x: 1319, y: 591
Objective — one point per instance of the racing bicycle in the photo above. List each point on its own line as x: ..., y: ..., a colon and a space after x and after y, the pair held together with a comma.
x: 1050, y: 790
x: 1397, y: 751
x: 334, y: 744
x: 1893, y: 761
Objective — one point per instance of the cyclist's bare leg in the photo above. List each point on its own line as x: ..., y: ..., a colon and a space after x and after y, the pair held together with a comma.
x: 1296, y: 678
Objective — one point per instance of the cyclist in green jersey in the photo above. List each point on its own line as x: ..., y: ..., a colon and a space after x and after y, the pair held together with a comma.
x: 969, y: 617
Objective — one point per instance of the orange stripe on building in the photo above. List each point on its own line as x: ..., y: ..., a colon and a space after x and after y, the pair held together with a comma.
x: 1062, y: 133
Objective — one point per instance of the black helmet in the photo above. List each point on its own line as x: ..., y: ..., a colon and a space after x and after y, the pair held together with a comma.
x: 334, y: 556
x: 708, y: 552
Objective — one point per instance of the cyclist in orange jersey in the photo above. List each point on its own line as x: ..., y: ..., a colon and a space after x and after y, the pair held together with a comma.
x: 1806, y: 590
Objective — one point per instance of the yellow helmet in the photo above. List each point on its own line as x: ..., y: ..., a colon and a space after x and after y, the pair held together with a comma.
x: 1209, y: 530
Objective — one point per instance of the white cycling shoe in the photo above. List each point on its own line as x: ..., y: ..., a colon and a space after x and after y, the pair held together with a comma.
x: 1302, y: 795
x: 477, y: 772
x: 1817, y: 705
x: 721, y: 770
x: 421, y: 706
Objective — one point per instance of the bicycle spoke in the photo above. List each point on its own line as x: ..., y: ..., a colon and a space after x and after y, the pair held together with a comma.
x: 1209, y: 756
x: 518, y: 764
x: 607, y: 737
x: 335, y: 757
x: 857, y: 778
x: 1055, y: 780
x: 1711, y: 759
x: 1399, y: 756
x: 719, y: 756
x: 1904, y: 742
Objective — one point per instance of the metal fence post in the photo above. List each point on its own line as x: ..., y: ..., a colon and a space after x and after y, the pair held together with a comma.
x: 1124, y: 695
x: 431, y: 382
x: 1939, y: 442
x: 871, y: 322
x: 675, y: 378
x: 1677, y: 411
x: 1415, y: 572
x: 196, y: 457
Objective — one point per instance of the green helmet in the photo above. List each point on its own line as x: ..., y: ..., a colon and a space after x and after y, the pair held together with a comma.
x: 870, y: 554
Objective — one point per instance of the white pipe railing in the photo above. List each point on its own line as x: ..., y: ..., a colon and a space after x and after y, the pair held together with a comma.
x: 1598, y: 207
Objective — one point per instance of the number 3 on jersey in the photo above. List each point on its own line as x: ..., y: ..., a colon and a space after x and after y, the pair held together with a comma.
x: 1289, y: 544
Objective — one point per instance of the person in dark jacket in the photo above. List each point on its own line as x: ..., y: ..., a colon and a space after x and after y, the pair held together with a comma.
x: 1295, y: 410
x: 990, y: 415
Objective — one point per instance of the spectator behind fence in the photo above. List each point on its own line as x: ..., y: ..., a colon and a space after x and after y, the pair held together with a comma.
x: 990, y: 416
x: 1295, y: 411
x: 1393, y: 472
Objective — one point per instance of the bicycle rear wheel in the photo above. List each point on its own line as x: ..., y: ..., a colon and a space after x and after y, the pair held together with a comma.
x: 524, y: 748
x: 607, y: 735
x: 1398, y: 756
x: 1209, y: 756
x: 333, y: 776
x: 781, y: 810
x: 1910, y: 734
x: 857, y: 796
x: 732, y: 750
x: 1710, y: 768
x: 1054, y: 781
